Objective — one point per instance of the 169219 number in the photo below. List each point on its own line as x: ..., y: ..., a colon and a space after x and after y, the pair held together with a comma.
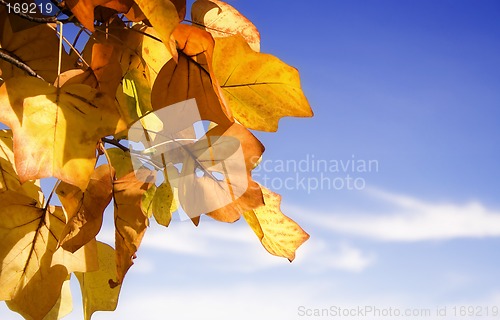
x: 29, y: 8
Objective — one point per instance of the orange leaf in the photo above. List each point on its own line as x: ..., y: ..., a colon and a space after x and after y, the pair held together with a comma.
x: 191, y: 77
x: 252, y: 151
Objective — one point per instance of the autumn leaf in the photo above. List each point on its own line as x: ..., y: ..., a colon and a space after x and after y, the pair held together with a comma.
x: 164, y: 17
x: 223, y: 20
x: 191, y: 77
x: 84, y: 9
x: 9, y: 180
x: 96, y: 291
x: 279, y: 235
x: 33, y: 44
x: 121, y: 162
x: 154, y: 52
x: 85, y: 209
x: 56, y: 130
x: 130, y: 220
x: 259, y: 88
x: 62, y: 308
x: 164, y: 204
x: 252, y: 150
x: 32, y: 274
x: 215, y: 170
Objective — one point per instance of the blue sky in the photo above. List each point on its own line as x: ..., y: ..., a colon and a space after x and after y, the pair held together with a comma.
x: 413, y: 85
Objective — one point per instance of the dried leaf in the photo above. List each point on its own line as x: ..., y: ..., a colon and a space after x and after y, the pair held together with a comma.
x: 130, y: 220
x: 85, y: 209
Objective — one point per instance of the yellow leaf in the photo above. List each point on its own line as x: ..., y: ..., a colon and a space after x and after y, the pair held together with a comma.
x: 222, y: 20
x: 135, y: 100
x: 62, y: 308
x: 163, y: 16
x: 130, y: 220
x: 279, y: 235
x: 259, y: 88
x: 32, y: 274
x: 121, y: 162
x: 164, y: 204
x: 191, y: 77
x: 35, y: 44
x: 153, y: 52
x: 95, y: 286
x: 147, y: 201
x: 56, y: 130
x: 85, y: 209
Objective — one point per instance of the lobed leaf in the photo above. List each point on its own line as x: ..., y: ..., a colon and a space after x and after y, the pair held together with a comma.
x: 259, y: 88
x: 279, y: 235
x: 56, y: 130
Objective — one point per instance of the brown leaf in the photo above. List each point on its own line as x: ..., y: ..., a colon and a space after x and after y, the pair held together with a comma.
x: 84, y: 9
x: 130, y: 220
x: 191, y: 77
x: 279, y: 235
x: 85, y: 209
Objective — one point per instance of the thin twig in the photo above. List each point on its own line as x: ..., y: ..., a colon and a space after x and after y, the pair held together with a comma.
x: 115, y: 143
x: 72, y: 48
x: 7, y: 56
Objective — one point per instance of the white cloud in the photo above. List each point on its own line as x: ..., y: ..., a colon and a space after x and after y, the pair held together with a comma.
x: 412, y: 219
x: 319, y: 256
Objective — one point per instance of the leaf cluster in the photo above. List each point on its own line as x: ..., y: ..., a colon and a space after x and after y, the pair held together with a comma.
x: 71, y: 112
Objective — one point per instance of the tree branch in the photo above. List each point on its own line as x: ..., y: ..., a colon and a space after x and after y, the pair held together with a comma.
x: 5, y: 55
x: 115, y: 143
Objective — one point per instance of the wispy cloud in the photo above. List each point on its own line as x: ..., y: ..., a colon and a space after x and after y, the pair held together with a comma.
x: 413, y: 219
